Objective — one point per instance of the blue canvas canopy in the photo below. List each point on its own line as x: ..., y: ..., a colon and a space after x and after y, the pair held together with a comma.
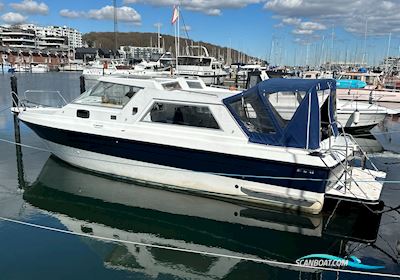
x: 263, y: 122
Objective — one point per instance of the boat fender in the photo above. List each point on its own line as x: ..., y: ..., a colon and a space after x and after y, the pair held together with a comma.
x: 356, y: 116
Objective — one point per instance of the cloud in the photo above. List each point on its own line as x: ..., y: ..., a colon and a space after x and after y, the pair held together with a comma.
x: 291, y: 21
x: 13, y: 18
x: 302, y: 32
x: 1, y: 6
x: 209, y: 7
x: 383, y: 16
x: 301, y: 27
x: 124, y: 14
x: 31, y: 7
x: 71, y: 14
x: 186, y: 28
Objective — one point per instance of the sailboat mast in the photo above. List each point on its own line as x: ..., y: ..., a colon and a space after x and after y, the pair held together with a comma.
x: 115, y: 25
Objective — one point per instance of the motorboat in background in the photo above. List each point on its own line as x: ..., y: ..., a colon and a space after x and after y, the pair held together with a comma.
x: 105, y: 67
x: 356, y: 80
x: 39, y: 68
x: 72, y: 65
x: 22, y: 68
x: 367, y: 87
x: 201, y: 65
x: 185, y: 138
x: 361, y: 116
x: 318, y: 75
x: 6, y: 67
x: 243, y: 71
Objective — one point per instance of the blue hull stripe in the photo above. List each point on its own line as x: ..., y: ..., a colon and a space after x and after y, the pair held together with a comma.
x: 188, y: 159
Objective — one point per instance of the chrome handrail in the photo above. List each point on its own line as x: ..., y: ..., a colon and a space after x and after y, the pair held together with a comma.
x: 19, y: 101
x: 60, y: 96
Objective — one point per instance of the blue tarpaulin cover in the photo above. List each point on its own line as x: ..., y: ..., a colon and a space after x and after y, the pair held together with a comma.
x: 304, y: 128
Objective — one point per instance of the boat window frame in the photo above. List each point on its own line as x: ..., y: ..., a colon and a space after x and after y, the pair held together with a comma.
x: 118, y: 107
x: 177, y: 102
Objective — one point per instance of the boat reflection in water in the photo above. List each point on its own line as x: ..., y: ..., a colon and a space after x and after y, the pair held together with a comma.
x: 85, y: 202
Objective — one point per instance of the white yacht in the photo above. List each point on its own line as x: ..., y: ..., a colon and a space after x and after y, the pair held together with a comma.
x: 367, y: 87
x: 208, y: 68
x: 177, y: 134
x: 243, y: 71
x: 39, y: 68
x: 105, y: 67
x: 355, y: 115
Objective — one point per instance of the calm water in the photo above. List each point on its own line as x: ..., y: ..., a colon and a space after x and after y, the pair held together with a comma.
x: 39, y: 189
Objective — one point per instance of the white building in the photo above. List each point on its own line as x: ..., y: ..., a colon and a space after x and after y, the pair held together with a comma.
x: 52, y: 35
x: 17, y: 38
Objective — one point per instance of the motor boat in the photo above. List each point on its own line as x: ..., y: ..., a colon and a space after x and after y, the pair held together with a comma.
x: 21, y: 68
x: 6, y: 67
x: 202, y: 65
x: 361, y: 116
x: 355, y: 117
x: 105, y: 67
x: 318, y: 75
x: 172, y: 133
x: 367, y: 87
x: 39, y: 68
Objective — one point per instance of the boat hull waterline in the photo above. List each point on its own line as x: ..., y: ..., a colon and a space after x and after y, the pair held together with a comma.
x: 203, y: 177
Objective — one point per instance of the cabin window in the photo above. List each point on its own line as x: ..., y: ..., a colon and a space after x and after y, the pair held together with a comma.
x: 181, y: 114
x: 194, y: 61
x: 108, y: 95
x: 253, y: 115
x: 172, y: 86
x: 196, y: 85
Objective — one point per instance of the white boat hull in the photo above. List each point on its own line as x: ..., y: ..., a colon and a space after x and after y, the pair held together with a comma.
x: 197, y: 182
x: 367, y: 119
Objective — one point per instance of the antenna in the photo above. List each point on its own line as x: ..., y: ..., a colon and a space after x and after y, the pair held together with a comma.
x: 115, y: 24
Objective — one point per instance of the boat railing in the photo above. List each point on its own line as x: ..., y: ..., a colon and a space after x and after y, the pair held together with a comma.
x: 43, y: 98
x: 351, y: 148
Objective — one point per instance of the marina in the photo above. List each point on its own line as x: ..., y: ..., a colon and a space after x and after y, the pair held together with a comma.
x: 42, y: 182
x: 226, y: 151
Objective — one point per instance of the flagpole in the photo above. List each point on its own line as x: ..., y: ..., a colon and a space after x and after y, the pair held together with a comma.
x: 175, y: 17
x: 176, y: 50
x: 179, y: 15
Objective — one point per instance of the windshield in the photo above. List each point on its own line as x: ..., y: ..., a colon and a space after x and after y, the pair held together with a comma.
x: 108, y: 95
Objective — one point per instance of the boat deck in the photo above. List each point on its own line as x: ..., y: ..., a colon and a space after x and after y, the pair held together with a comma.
x: 365, y: 187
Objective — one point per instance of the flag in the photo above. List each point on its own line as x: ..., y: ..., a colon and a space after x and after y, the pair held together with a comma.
x: 175, y: 15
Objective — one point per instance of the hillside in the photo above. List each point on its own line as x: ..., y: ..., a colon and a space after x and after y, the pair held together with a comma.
x: 106, y: 40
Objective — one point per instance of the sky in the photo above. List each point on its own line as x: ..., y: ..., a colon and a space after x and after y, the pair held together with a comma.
x: 281, y: 31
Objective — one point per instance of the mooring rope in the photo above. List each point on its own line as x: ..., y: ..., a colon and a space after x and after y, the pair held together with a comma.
x: 204, y: 253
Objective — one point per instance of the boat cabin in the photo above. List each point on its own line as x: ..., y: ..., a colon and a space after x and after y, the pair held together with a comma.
x: 281, y: 112
x: 367, y: 79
